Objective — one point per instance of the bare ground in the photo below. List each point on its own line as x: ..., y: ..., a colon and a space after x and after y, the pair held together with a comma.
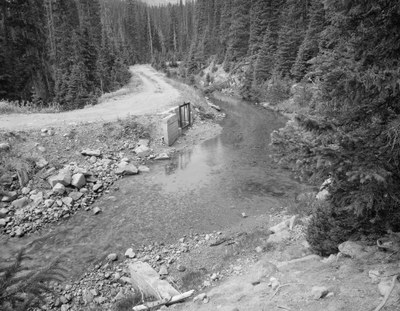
x: 147, y: 93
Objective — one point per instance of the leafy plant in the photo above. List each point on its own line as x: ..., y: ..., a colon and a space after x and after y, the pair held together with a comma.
x: 22, y: 288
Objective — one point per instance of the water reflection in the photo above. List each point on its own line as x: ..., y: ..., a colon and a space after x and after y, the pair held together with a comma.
x: 191, y: 169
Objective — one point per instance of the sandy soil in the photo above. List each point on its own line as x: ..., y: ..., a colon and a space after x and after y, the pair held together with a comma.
x: 153, y: 94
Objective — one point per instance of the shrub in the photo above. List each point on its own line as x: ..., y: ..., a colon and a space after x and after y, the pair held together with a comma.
x: 329, y: 227
x: 21, y: 289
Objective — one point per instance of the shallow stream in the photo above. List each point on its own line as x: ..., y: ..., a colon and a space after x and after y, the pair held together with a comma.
x: 201, y: 190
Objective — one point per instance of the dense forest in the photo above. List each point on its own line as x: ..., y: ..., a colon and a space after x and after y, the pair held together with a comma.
x: 344, y: 55
x: 70, y: 52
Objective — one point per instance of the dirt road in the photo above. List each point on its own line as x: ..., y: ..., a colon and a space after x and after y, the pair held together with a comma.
x: 146, y: 93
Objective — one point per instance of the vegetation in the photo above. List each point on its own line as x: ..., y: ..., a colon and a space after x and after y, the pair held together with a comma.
x: 21, y: 288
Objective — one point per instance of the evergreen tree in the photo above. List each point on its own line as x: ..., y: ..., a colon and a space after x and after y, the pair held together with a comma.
x: 260, y: 14
x: 310, y: 45
x: 239, y: 31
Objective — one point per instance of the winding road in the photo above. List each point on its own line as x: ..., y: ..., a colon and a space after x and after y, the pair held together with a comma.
x: 151, y: 95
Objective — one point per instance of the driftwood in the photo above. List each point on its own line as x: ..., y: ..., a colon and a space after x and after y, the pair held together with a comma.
x: 162, y: 302
x: 218, y: 108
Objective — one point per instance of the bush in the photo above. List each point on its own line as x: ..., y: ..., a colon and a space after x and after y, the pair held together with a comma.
x: 21, y: 289
x: 278, y: 90
x: 329, y: 227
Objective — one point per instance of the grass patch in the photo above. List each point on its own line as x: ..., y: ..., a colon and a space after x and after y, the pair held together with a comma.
x: 7, y: 107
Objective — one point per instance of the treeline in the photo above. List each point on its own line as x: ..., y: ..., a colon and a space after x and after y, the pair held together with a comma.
x: 275, y: 38
x: 70, y: 52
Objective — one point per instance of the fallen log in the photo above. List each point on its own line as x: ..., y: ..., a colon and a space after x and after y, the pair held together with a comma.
x: 162, y: 302
x: 218, y: 108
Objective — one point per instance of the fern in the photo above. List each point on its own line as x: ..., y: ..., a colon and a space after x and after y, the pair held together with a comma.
x: 21, y: 287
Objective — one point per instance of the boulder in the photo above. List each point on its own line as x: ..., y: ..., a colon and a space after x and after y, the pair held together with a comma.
x: 20, y: 203
x: 59, y: 188
x: 63, y: 177
x: 125, y: 168
x: 90, y: 152
x: 143, y: 151
x: 78, y: 180
x: 353, y: 249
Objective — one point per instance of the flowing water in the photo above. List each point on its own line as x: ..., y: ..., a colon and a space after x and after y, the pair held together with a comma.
x: 200, y: 190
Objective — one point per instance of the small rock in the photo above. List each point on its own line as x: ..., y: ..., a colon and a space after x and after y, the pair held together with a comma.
x: 319, y: 292
x: 163, y: 270
x: 41, y: 163
x: 125, y: 168
x: 89, y: 152
x: 41, y: 149
x: 96, y: 210
x: 143, y: 142
x: 63, y: 177
x: 3, y: 223
x: 214, y: 276
x: 78, y: 180
x: 259, y: 249
x: 25, y: 190
x: 143, y: 151
x: 9, y: 196
x: 181, y: 268
x: 112, y: 257
x: 87, y: 296
x: 75, y: 196
x: 5, y: 146
x: 384, y: 286
x: 206, y: 283
x: 162, y: 156
x: 244, y: 215
x: 143, y: 169
x: 130, y: 253
x: 331, y: 259
x: 20, y: 203
x: 97, y: 187
x: 352, y: 249
x: 274, y: 283
x: 19, y: 232
x: 200, y: 297
x: 374, y: 275
x: 63, y: 299
x: 67, y: 201
x: 65, y: 307
x: 94, y: 292
x: 3, y: 212
x: 59, y: 188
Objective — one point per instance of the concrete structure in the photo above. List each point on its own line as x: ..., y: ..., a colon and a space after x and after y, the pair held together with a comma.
x: 171, y: 126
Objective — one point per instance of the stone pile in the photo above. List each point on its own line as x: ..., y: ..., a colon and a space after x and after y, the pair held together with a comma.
x: 69, y: 189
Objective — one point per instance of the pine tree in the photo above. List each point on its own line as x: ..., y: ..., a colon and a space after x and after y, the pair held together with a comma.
x: 310, y: 45
x: 239, y: 31
x: 260, y: 14
x: 265, y: 62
